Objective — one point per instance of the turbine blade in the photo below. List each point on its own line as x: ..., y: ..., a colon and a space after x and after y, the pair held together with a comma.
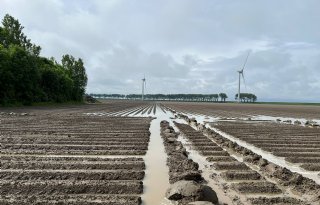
x: 245, y: 62
x: 244, y: 81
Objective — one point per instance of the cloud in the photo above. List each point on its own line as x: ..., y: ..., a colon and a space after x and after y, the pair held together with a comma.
x: 182, y: 46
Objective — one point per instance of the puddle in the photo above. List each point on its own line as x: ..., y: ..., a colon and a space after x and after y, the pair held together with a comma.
x: 272, y: 158
x: 204, y: 166
x: 156, y: 181
x: 270, y: 118
x: 266, y: 155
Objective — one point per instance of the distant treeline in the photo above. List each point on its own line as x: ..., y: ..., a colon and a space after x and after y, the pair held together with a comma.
x: 172, y: 97
x: 247, y: 97
x: 26, y: 77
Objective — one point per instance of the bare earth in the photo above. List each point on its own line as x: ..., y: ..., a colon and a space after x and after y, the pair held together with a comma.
x: 95, y: 154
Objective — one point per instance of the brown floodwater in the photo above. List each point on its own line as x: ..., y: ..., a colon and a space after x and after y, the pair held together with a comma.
x: 266, y: 155
x: 156, y: 181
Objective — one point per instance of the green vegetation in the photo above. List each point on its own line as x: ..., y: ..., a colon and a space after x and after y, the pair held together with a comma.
x: 27, y: 78
x: 247, y: 97
x: 171, y: 97
x: 223, y: 97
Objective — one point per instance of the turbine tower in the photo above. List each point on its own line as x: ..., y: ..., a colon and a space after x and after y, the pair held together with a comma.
x: 241, y: 74
x: 143, y: 87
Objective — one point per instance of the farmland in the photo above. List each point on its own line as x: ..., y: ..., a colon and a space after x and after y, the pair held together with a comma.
x: 72, y: 158
x: 135, y: 152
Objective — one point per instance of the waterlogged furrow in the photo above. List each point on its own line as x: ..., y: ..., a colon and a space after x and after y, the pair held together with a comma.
x: 73, y: 159
x: 241, y: 177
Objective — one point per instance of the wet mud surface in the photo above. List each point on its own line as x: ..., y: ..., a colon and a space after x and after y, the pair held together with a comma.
x: 66, y: 156
x: 243, y: 176
x: 96, y: 154
x: 300, y: 145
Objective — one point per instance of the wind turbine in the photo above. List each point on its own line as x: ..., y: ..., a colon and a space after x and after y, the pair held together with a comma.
x: 241, y: 74
x: 144, y: 85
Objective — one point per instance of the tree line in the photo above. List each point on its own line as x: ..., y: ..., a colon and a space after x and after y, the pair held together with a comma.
x: 26, y: 77
x: 246, y: 97
x: 171, y: 97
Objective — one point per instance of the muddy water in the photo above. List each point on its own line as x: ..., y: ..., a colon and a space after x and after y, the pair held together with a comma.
x: 266, y: 155
x: 272, y: 158
x: 270, y: 118
x: 156, y: 181
x: 204, y: 166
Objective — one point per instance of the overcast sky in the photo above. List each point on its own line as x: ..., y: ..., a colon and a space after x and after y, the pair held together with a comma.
x: 183, y: 46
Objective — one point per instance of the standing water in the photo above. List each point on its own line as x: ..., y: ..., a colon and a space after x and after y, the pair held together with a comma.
x: 266, y: 155
x: 156, y: 181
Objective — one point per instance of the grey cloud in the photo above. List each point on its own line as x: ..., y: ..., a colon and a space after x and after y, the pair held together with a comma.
x: 182, y: 46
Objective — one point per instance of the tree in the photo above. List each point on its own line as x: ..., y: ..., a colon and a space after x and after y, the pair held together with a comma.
x: 55, y: 82
x: 7, y: 90
x: 254, y: 98
x: 25, y: 77
x: 11, y: 33
x: 223, y: 97
x: 246, y: 97
x: 77, y: 72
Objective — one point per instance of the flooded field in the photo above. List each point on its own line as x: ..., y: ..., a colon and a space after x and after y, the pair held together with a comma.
x: 134, y: 152
x: 67, y: 157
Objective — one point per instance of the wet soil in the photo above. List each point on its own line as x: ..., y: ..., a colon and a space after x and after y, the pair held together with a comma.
x: 256, y: 187
x: 275, y: 200
x: 69, y: 199
x: 70, y: 155
x: 71, y: 175
x: 243, y: 110
x: 253, y: 183
x: 298, y: 144
x: 57, y: 187
x: 242, y: 175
